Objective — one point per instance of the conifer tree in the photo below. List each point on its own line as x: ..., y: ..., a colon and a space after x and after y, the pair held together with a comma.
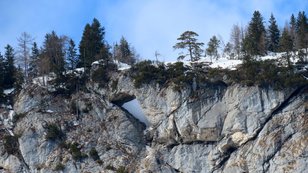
x: 228, y: 50
x: 2, y: 73
x: 286, y: 44
x: 53, y: 50
x: 33, y: 64
x: 188, y: 40
x: 72, y: 55
x: 92, y: 45
x: 212, y: 49
x: 254, y: 41
x: 293, y: 32
x: 85, y: 53
x: 302, y: 30
x: 9, y: 67
x: 19, y: 78
x: 273, y: 35
x: 123, y: 52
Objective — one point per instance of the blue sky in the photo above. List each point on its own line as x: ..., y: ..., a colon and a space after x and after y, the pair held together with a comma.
x: 149, y: 25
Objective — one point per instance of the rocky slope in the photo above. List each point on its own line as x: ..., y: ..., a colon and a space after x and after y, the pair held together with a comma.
x: 216, y: 128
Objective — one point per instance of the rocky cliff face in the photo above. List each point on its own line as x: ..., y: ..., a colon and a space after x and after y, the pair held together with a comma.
x: 213, y: 129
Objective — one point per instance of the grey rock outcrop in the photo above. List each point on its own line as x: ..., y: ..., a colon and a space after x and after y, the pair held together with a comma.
x: 216, y: 128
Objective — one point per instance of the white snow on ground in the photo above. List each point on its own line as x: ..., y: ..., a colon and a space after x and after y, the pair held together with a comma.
x: 8, y: 91
x: 79, y: 70
x: 11, y: 115
x: 10, y: 132
x: 123, y: 66
x: 134, y: 108
x: 49, y: 111
x: 41, y: 79
x: 76, y: 71
x: 219, y: 63
x: 95, y: 63
x: 225, y: 63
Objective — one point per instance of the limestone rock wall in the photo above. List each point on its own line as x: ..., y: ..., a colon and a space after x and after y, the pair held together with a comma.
x: 212, y: 129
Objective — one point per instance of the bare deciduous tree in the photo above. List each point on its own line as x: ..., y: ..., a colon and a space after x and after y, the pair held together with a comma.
x: 236, y: 39
x: 24, y: 43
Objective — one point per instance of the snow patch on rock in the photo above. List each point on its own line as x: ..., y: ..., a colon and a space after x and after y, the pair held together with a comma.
x: 134, y: 108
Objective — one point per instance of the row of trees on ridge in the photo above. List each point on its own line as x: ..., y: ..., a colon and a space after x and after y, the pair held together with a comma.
x: 59, y: 54
x: 254, y: 40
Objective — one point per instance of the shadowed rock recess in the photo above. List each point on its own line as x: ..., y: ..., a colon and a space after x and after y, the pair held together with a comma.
x: 210, y: 130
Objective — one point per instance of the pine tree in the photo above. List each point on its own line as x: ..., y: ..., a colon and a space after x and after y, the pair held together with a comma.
x: 293, y: 32
x: 85, y: 53
x: 9, y: 67
x: 302, y: 30
x: 19, y: 79
x: 273, y: 35
x: 124, y: 53
x: 53, y: 50
x: 228, y: 50
x: 286, y: 44
x: 254, y: 41
x: 188, y: 40
x: 33, y: 64
x: 213, y: 46
x: 72, y: 55
x: 92, y: 45
x: 2, y: 73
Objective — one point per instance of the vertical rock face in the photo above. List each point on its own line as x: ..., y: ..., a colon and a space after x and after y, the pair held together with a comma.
x: 212, y: 129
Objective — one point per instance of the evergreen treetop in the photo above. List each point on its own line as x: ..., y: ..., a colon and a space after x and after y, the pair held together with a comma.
x: 92, y: 46
x: 53, y: 49
x: 254, y: 41
x: 188, y: 40
x: 302, y: 30
x: 33, y: 64
x: 123, y: 52
x: 72, y: 55
x: 213, y: 46
x: 273, y: 35
x: 9, y: 67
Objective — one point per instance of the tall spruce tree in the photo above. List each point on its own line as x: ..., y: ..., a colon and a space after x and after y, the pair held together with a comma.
x: 293, y: 32
x: 86, y: 56
x: 9, y: 67
x: 302, y: 30
x: 92, y: 45
x: 53, y: 50
x: 286, y: 44
x: 72, y: 55
x: 123, y: 52
x: 254, y: 41
x: 273, y: 35
x: 33, y: 64
x: 188, y: 40
x: 2, y: 73
x: 212, y: 49
x: 228, y: 50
